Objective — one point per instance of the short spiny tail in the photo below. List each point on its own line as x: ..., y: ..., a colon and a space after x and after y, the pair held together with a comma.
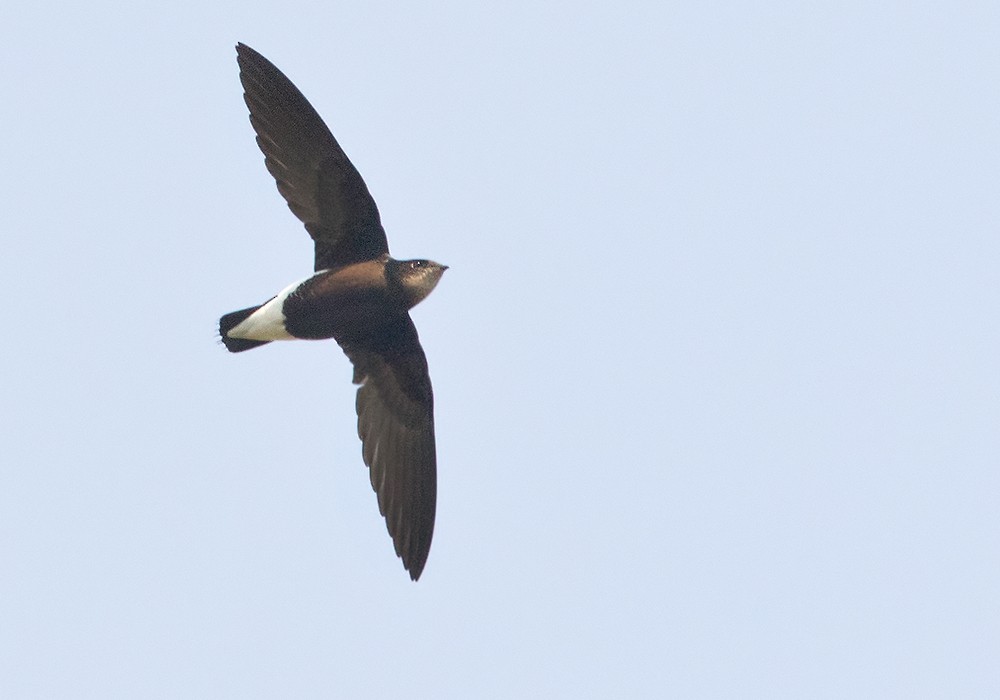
x: 230, y: 321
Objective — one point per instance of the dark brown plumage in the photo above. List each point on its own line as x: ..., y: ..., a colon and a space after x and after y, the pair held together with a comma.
x: 358, y: 296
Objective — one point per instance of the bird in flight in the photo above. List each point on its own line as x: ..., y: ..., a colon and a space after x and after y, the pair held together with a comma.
x: 357, y: 295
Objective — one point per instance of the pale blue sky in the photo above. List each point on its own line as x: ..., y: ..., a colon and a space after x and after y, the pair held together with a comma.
x: 716, y: 361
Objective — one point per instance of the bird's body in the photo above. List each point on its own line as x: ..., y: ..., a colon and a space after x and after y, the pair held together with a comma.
x: 335, y: 303
x: 358, y: 295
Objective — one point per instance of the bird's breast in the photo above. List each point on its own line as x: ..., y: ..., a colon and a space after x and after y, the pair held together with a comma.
x: 339, y: 303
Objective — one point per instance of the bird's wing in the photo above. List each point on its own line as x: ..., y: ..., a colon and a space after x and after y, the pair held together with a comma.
x: 396, y: 424
x: 322, y: 188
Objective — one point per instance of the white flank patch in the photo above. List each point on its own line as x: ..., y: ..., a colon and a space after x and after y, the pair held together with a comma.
x: 267, y: 322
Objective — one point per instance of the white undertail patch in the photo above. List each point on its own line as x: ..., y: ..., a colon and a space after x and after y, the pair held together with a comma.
x: 267, y: 322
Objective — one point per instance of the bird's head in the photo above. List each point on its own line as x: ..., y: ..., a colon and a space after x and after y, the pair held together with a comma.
x: 415, y: 279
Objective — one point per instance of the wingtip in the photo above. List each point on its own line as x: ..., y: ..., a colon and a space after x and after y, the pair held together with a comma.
x: 414, y: 562
x: 415, y: 572
x: 244, y: 52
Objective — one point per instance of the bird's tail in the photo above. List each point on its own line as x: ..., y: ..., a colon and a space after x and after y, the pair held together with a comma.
x: 230, y: 321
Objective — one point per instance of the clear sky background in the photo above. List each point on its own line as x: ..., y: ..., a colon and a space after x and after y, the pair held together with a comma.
x: 716, y: 361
